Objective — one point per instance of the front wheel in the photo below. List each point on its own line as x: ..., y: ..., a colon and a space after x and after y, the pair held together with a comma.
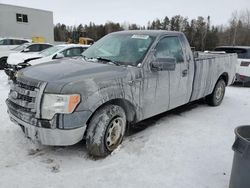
x: 217, y: 96
x: 106, y: 130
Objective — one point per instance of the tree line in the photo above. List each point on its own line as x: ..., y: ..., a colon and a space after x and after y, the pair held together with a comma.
x: 200, y: 33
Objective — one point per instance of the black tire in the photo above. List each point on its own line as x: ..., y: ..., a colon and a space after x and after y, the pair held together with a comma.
x: 106, y: 130
x: 216, y: 98
x: 3, y: 63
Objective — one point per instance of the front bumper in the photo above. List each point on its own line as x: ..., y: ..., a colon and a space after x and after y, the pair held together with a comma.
x: 242, y: 78
x: 48, y: 136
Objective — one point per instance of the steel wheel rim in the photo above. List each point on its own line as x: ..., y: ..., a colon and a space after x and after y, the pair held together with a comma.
x: 114, y: 133
x: 219, y: 92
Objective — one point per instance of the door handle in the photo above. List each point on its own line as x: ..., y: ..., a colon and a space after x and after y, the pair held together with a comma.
x: 184, y: 73
x: 132, y: 82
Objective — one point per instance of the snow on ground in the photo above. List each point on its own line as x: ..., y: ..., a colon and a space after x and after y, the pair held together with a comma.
x: 188, y: 147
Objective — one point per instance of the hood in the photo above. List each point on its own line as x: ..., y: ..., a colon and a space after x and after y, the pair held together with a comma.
x: 40, y: 60
x: 6, y: 53
x: 61, y: 72
x: 20, y: 57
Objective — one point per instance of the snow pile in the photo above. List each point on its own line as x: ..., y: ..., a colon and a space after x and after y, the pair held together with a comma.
x: 187, y: 147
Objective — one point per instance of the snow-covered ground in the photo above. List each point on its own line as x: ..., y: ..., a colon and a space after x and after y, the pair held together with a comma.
x: 189, y: 147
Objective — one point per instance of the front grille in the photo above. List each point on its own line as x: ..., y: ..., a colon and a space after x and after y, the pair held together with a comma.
x: 23, y: 96
x: 25, y: 86
x: 24, y: 100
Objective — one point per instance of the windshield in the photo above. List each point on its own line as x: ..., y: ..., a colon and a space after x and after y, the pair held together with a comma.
x: 51, y: 50
x: 125, y: 49
x: 242, y: 53
x: 21, y: 47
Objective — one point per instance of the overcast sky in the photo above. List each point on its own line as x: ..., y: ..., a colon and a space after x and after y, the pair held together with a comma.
x: 74, y: 12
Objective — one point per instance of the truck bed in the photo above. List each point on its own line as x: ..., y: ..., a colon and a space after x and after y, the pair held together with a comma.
x: 208, y: 67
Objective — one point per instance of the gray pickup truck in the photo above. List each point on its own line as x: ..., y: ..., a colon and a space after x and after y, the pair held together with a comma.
x: 123, y: 78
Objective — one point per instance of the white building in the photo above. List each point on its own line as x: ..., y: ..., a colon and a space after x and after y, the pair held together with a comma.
x: 16, y: 21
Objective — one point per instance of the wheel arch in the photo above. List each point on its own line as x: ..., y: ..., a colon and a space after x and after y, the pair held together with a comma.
x: 127, y: 106
x: 225, y: 77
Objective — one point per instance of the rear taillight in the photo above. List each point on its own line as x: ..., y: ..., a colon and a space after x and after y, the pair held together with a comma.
x: 245, y: 63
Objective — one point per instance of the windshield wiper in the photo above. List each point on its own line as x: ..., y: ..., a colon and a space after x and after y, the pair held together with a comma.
x: 107, y: 60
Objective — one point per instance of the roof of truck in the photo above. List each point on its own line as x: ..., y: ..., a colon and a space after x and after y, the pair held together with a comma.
x: 149, y: 32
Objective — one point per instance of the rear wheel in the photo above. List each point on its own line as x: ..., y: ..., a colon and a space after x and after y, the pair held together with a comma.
x: 217, y: 96
x: 106, y: 130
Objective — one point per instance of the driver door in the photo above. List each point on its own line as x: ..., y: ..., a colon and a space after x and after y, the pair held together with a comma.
x: 165, y: 89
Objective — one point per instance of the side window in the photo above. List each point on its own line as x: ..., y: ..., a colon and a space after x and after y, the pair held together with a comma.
x: 72, y: 52
x: 83, y: 49
x: 170, y: 47
x: 44, y: 46
x: 5, y: 42
x: 34, y: 48
x: 10, y: 42
x: 17, y: 42
x: 23, y: 41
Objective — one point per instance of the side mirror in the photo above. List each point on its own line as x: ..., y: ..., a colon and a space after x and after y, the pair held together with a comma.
x: 26, y: 50
x: 164, y: 64
x: 58, y: 56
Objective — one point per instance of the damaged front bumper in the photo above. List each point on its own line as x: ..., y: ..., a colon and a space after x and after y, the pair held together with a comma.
x: 48, y: 136
x: 24, y: 108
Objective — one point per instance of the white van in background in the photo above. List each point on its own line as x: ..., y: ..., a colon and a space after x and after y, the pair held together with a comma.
x: 243, y: 65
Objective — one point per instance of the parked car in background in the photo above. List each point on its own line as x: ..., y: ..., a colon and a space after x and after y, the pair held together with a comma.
x: 17, y: 61
x: 243, y: 64
x: 55, y: 52
x: 9, y: 43
x: 24, y: 48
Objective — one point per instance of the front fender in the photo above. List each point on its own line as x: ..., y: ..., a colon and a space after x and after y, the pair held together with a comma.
x: 121, y: 92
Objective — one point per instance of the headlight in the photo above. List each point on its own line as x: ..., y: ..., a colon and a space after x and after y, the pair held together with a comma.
x: 64, y: 104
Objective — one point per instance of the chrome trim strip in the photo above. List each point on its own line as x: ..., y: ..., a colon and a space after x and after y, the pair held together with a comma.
x: 22, y: 103
x: 23, y: 91
x: 39, y: 99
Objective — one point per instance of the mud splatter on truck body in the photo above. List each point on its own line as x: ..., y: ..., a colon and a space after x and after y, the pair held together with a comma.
x: 154, y: 84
